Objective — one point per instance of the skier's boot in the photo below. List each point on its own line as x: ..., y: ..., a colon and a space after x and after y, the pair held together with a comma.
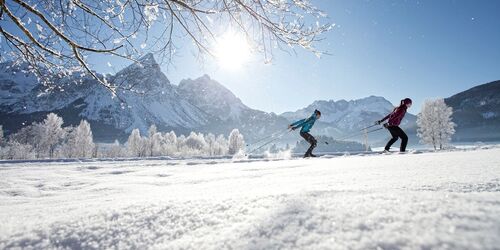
x: 308, y: 153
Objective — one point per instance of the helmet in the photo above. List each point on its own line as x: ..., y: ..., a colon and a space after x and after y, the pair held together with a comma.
x: 317, y: 112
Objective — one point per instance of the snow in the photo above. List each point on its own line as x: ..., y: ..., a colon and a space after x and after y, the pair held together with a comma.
x: 489, y: 115
x: 445, y: 200
x: 161, y: 104
x: 212, y: 97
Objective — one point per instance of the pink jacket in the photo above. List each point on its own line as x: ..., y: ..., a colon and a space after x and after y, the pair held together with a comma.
x: 396, y: 116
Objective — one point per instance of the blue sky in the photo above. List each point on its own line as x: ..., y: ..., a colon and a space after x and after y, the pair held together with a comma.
x: 395, y: 49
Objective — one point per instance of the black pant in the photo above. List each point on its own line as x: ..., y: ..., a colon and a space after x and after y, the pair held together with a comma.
x: 396, y: 133
x: 309, y: 138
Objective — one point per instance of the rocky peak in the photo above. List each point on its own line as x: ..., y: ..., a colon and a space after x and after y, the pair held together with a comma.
x: 143, y: 75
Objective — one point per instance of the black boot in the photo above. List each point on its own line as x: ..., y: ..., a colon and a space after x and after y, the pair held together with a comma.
x: 308, y: 154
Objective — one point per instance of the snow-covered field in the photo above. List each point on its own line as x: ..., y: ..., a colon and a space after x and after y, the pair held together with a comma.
x: 448, y: 200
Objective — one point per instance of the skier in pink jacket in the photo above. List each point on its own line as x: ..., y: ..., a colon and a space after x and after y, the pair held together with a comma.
x: 395, y: 118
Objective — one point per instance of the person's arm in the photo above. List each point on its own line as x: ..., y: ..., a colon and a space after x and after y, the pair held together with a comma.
x: 385, y: 118
x: 298, y: 124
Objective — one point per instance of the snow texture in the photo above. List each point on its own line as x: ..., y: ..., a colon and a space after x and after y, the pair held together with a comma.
x: 446, y: 200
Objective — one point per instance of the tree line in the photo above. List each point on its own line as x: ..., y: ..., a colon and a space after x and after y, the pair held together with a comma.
x: 49, y: 139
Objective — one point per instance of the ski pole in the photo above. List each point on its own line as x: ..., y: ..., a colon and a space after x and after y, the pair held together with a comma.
x: 353, y: 135
x: 267, y: 143
x: 267, y: 137
x: 371, y: 126
x: 357, y: 133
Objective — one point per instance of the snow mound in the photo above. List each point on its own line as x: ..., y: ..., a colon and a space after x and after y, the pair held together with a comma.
x: 240, y: 155
x: 280, y: 155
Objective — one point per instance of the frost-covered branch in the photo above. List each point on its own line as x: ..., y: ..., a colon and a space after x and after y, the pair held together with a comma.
x: 58, y: 36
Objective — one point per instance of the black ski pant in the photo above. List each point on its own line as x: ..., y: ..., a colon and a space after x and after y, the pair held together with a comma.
x: 396, y: 133
x: 309, y: 138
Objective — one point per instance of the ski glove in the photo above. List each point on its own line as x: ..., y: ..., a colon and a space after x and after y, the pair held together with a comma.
x: 378, y: 122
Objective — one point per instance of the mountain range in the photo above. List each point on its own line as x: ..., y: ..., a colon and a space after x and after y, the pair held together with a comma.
x: 477, y: 113
x: 343, y: 117
x: 146, y: 96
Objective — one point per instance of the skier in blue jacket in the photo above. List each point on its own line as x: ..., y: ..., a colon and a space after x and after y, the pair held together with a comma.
x: 306, y: 125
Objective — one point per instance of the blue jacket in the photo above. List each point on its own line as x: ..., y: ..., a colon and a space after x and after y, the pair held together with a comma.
x: 306, y: 124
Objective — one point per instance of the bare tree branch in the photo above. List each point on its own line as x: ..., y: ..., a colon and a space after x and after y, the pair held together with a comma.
x: 59, y: 35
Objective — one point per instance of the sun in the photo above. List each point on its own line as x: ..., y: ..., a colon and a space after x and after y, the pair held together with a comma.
x: 232, y: 50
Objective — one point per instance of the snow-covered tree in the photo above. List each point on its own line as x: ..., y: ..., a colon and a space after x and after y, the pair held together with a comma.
x: 154, y: 141
x: 210, y: 140
x: 115, y: 150
x: 2, y: 139
x: 56, y: 37
x: 169, y: 143
x: 80, y: 141
x: 18, y: 151
x: 25, y: 135
x: 67, y: 150
x: 136, y: 145
x: 182, y: 149
x: 221, y: 146
x: 49, y: 134
x: 29, y: 135
x: 196, y: 142
x: 435, y: 126
x: 236, y: 142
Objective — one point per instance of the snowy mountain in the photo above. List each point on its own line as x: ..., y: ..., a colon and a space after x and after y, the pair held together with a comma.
x: 340, y: 117
x: 212, y: 97
x: 25, y: 100
x: 227, y: 110
x: 200, y: 104
x: 159, y: 103
x: 477, y: 112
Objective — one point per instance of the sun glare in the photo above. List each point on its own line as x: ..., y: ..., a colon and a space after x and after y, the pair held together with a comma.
x: 232, y: 50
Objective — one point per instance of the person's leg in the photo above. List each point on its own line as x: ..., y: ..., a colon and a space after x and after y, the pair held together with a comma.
x: 305, y: 136
x: 394, y: 138
x: 309, y: 138
x: 313, y: 143
x: 404, y: 139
